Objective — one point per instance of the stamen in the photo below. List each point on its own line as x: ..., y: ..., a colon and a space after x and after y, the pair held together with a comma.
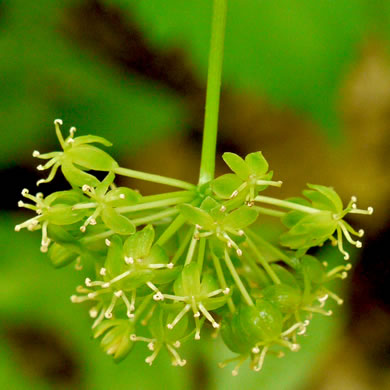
x: 291, y: 329
x: 107, y: 241
x: 98, y: 320
x: 119, y: 277
x: 108, y: 313
x: 208, y: 315
x: 129, y: 260
x: 151, y: 358
x: 103, y: 271
x: 340, y: 243
x: 182, y: 313
x: 58, y: 122
x: 177, y: 360
x: 122, y: 196
x: 260, y: 362
x: 36, y: 153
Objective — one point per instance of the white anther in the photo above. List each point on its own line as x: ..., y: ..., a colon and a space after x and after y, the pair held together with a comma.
x: 177, y: 344
x: 295, y: 347
x: 103, y: 271
x: 72, y: 130
x: 122, y: 196
x: 91, y: 295
x: 44, y: 248
x: 234, y: 194
x: 93, y: 312
x: 25, y: 191
x: 370, y: 210
x: 223, y: 208
x: 118, y: 294
x: 36, y: 153
x: 226, y: 290
x: 361, y: 233
x: 197, y: 336
x: 107, y: 241
x: 151, y: 346
x: 83, y: 229
x: 215, y: 325
x: 108, y: 315
x: 170, y: 265
x: 329, y: 313
x: 58, y: 122
x: 197, y: 314
x: 256, y: 350
x: 241, y: 232
x: 198, y: 227
x: 73, y: 298
x: 235, y: 372
x: 88, y: 282
x: 133, y: 337
x: 129, y: 260
x: 70, y: 141
x: 106, y: 285
x: 20, y: 203
x: 346, y: 256
x: 358, y: 244
x: 353, y: 199
x: 169, y: 326
x: 239, y: 252
x: 229, y: 244
x: 92, y: 221
x: 158, y: 296
x: 17, y: 228
x: 40, y: 167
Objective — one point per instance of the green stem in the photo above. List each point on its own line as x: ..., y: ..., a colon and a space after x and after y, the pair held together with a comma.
x: 270, y: 212
x: 221, y: 279
x: 154, y: 217
x: 153, y: 178
x: 183, y: 246
x: 237, y: 279
x: 263, y: 261
x: 176, y: 224
x: 166, y: 195
x: 286, y: 204
x: 201, y: 253
x: 153, y: 205
x: 207, y: 165
x: 271, y: 248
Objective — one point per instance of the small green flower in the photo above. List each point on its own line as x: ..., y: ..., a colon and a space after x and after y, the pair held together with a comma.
x: 55, y: 209
x: 322, y: 216
x: 76, y: 158
x: 116, y: 337
x: 105, y: 201
x: 197, y: 295
x: 249, y: 178
x: 164, y: 337
x: 212, y: 219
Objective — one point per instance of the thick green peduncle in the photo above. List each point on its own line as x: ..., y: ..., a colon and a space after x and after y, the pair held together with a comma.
x: 207, y: 165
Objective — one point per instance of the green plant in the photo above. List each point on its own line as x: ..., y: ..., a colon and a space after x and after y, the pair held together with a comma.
x: 162, y: 267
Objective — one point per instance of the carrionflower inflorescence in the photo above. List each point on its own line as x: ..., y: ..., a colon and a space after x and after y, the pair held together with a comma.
x: 163, y: 268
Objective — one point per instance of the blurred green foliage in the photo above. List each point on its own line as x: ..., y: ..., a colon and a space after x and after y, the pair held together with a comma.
x: 295, y: 52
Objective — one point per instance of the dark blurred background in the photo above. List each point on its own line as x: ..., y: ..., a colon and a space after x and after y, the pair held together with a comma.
x: 307, y: 82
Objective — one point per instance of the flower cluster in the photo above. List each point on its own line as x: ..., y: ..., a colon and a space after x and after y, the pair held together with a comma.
x: 162, y: 268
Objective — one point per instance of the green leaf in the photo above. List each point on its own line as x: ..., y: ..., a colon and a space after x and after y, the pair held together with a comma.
x: 76, y: 177
x: 138, y: 246
x: 225, y: 185
x: 117, y: 222
x: 196, y: 216
x: 240, y: 218
x: 89, y: 157
x: 157, y: 255
x: 237, y: 165
x: 257, y: 164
